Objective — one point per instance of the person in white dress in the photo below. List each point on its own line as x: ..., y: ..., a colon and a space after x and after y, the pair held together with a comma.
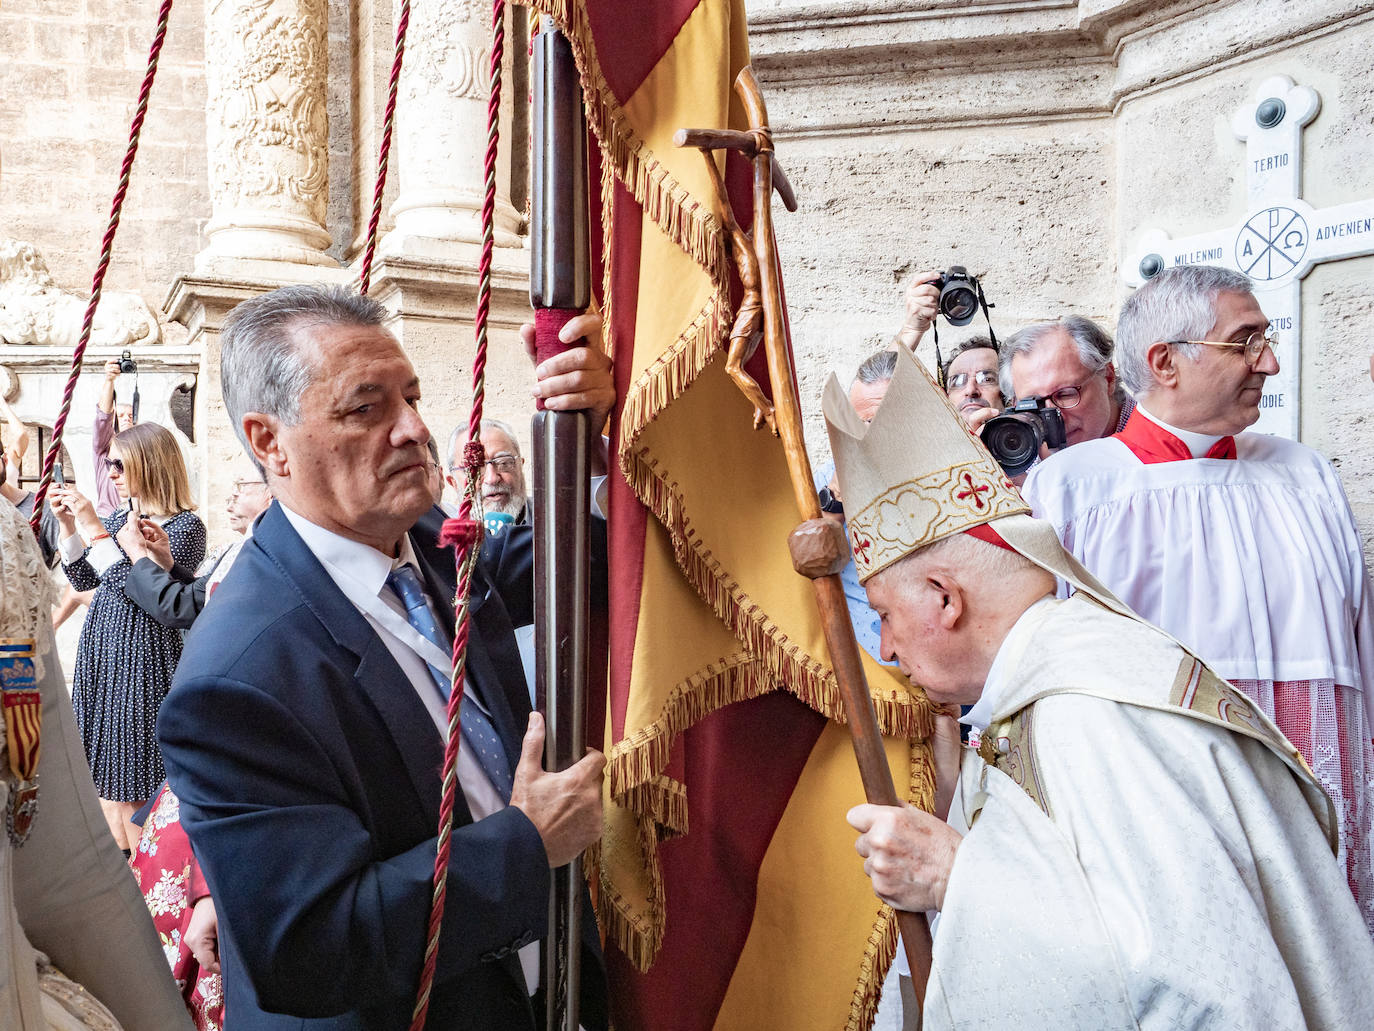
x: 1241, y: 545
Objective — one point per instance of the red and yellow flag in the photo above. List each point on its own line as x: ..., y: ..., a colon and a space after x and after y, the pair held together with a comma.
x: 729, y: 888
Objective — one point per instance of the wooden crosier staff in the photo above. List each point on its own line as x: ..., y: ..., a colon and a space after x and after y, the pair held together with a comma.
x: 818, y: 546
x: 560, y: 289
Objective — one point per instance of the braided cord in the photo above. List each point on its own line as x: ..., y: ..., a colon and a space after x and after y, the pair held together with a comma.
x: 464, y: 532
x: 384, y: 152
x: 102, y: 266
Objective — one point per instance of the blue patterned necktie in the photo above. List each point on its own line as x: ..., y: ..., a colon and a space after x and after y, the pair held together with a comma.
x: 478, y: 732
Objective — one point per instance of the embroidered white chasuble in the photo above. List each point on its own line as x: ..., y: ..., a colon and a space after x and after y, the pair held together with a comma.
x: 1256, y: 565
x: 1131, y: 863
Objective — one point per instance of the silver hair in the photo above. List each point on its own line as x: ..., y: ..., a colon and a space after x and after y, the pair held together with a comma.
x: 877, y: 367
x: 261, y: 367
x: 1093, y: 343
x: 1178, y: 304
x: 459, y: 435
x: 987, y: 562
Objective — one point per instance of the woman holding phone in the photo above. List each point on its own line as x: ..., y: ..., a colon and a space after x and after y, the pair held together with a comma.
x: 125, y: 658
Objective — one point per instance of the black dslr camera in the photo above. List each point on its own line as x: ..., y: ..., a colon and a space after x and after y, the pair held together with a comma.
x: 958, y: 296
x: 126, y: 363
x: 1015, y: 436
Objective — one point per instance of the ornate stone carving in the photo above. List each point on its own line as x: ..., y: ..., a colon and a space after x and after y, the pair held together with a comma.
x: 443, y: 59
x: 441, y: 127
x: 35, y: 310
x: 268, y: 129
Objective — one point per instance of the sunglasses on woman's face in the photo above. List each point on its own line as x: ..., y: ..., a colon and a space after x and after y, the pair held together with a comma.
x: 117, y: 464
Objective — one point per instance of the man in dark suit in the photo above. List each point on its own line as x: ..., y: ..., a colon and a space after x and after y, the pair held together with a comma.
x: 303, y: 731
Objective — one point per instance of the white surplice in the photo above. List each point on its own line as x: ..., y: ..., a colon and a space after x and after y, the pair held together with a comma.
x: 1254, y: 563
x: 1132, y: 863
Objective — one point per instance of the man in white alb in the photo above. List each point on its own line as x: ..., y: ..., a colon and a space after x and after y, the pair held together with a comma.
x: 1242, y: 545
x: 1134, y: 845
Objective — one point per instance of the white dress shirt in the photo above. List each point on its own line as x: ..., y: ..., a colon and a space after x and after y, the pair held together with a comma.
x: 360, y: 572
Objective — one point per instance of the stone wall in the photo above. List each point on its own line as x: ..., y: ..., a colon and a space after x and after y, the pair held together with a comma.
x: 1032, y: 142
x: 68, y: 84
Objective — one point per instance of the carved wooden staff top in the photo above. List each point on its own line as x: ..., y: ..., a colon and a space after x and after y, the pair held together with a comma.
x: 818, y: 546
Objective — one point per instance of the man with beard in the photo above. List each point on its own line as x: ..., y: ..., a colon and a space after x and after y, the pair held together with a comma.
x: 503, y: 476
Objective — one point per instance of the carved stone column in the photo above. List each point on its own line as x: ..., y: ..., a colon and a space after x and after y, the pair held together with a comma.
x: 268, y: 134
x: 441, y: 132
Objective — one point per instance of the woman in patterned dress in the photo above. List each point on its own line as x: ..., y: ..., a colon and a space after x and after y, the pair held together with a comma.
x: 182, y: 910
x: 125, y: 659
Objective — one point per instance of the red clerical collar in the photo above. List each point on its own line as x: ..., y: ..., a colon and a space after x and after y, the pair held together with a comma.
x: 1152, y: 443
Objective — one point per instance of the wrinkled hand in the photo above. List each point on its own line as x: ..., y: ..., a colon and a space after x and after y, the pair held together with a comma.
x: 922, y: 302
x: 907, y: 854
x: 202, y: 935
x: 564, y: 807
x: 144, y: 538
x: 111, y: 371
x: 580, y: 378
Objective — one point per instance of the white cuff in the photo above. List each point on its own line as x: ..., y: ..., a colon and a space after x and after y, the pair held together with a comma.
x: 71, y: 548
x: 104, y: 553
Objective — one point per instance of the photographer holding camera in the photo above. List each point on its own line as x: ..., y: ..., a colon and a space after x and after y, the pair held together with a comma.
x: 110, y: 418
x: 1068, y: 362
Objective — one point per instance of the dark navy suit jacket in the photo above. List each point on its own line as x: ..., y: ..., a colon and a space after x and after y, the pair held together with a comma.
x: 309, y: 777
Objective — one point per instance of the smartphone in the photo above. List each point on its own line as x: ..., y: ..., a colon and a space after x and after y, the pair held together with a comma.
x: 134, y: 509
x: 58, y: 477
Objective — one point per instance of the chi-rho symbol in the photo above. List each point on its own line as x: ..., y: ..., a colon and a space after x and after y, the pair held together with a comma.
x: 1278, y: 241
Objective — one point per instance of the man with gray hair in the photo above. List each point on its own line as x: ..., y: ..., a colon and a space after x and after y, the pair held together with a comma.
x: 305, y: 731
x: 1242, y: 545
x: 1069, y: 363
x: 503, y: 475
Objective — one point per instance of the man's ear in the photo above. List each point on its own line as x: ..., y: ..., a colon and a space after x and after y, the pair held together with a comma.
x: 950, y: 598
x: 1162, y: 360
x: 264, y: 440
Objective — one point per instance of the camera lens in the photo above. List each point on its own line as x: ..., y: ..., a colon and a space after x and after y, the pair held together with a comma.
x: 1014, y: 441
x: 958, y: 304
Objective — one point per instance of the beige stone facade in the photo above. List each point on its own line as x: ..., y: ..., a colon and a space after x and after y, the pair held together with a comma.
x: 1030, y: 140
x: 1033, y: 141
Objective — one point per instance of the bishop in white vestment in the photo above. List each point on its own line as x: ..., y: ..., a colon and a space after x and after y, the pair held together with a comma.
x: 1241, y: 545
x: 1135, y: 845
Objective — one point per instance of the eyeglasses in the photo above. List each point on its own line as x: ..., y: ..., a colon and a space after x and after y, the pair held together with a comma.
x: 117, y: 465
x: 503, y: 463
x: 1066, y: 397
x: 983, y: 378
x: 1253, y: 345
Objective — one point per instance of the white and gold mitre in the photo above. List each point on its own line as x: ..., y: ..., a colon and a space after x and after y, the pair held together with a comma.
x: 915, y: 474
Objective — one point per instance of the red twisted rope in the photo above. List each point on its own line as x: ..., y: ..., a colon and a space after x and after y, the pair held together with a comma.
x: 106, y: 249
x: 388, y: 121
x: 464, y: 532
